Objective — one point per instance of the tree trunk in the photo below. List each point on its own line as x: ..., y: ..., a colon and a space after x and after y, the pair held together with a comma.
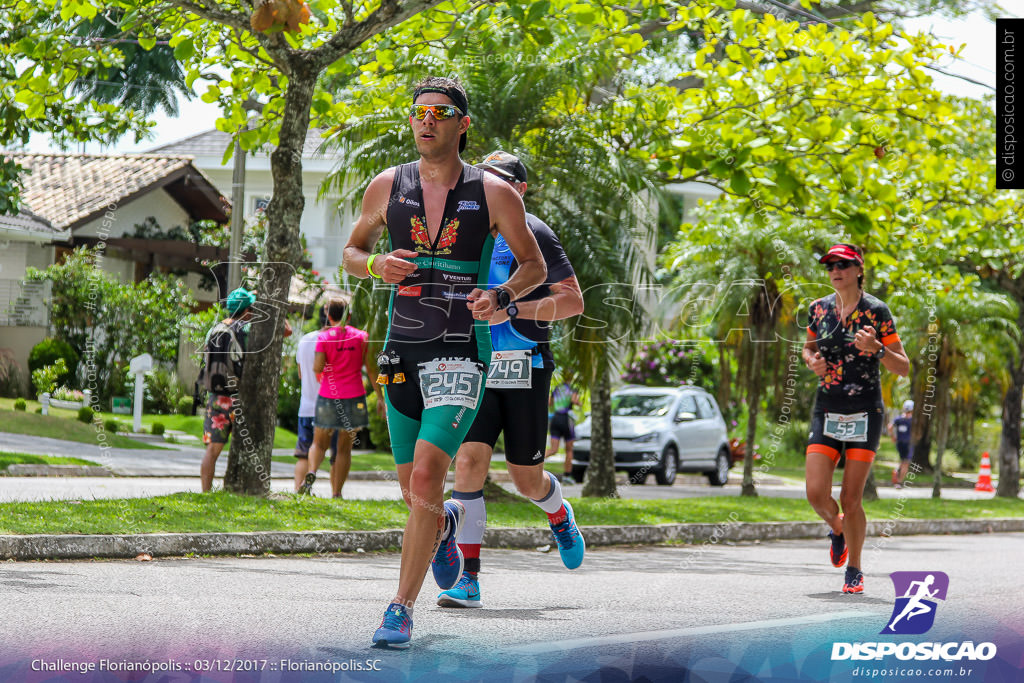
x: 600, y: 479
x: 248, y: 468
x: 921, y: 422
x: 780, y: 358
x: 724, y: 381
x: 1009, y: 441
x: 942, y: 413
x: 753, y: 406
x: 870, y: 486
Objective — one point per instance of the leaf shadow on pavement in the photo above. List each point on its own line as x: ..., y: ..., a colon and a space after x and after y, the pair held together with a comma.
x: 850, y: 600
x: 513, y: 613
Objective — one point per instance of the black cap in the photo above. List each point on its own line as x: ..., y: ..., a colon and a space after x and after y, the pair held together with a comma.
x: 457, y: 98
x: 506, y: 165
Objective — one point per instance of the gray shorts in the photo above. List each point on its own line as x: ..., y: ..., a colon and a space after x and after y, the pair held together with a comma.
x: 340, y: 413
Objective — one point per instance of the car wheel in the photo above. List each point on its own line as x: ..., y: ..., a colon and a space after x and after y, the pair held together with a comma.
x: 665, y: 475
x: 578, y: 473
x: 720, y: 475
x: 639, y: 477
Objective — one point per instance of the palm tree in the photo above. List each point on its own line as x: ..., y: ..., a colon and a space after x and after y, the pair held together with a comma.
x: 959, y: 325
x: 746, y: 269
x: 147, y: 80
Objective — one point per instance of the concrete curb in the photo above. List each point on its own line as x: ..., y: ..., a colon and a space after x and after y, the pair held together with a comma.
x: 71, y: 547
x: 24, y: 470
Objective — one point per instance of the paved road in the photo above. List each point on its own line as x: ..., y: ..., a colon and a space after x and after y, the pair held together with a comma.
x: 772, y: 610
x: 87, y: 488
x: 170, y: 460
x: 157, y: 472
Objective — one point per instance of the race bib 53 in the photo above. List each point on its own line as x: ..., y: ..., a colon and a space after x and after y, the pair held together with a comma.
x: 852, y: 427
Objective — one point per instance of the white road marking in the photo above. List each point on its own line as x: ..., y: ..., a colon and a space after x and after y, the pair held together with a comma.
x: 642, y: 636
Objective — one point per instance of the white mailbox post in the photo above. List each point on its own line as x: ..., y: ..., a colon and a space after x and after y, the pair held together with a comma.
x: 139, y: 366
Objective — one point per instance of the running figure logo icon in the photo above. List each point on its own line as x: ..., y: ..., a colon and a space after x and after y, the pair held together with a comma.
x: 916, y: 595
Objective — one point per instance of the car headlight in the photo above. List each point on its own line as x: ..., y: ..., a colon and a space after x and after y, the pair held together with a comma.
x: 646, y: 438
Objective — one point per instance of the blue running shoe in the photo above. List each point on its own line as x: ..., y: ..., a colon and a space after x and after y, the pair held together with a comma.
x: 569, y: 539
x: 448, y: 563
x: 395, y: 628
x: 465, y: 594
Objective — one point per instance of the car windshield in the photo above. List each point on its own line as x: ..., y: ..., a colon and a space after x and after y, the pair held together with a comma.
x: 641, y: 405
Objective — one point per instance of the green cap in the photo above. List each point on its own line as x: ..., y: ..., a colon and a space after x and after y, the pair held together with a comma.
x: 239, y: 300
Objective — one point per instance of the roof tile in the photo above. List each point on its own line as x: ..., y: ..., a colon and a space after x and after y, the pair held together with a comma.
x: 65, y: 188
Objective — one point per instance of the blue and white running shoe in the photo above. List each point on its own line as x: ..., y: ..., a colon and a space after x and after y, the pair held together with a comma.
x: 395, y: 628
x: 448, y: 562
x: 465, y: 594
x: 569, y: 539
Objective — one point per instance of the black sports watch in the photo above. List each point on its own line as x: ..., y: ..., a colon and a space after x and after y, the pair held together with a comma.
x: 880, y: 353
x: 503, y: 297
x: 512, y: 310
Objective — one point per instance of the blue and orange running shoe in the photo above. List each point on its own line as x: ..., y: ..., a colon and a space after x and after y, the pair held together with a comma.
x: 854, y: 581
x: 838, y: 552
x: 571, y: 545
x: 448, y: 563
x: 465, y: 594
x: 395, y: 628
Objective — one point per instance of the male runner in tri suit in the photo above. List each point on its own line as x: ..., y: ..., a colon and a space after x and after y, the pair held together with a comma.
x: 442, y: 217
x: 848, y: 334
x: 515, y: 401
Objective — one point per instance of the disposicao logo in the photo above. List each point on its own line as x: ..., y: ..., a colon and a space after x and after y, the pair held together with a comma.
x: 917, y: 594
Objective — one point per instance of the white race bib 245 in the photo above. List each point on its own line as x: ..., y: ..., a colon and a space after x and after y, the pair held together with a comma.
x: 450, y: 383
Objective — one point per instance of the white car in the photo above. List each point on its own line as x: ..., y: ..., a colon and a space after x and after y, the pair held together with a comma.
x: 663, y: 430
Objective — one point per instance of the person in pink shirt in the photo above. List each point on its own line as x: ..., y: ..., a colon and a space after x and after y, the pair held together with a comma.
x: 342, y: 352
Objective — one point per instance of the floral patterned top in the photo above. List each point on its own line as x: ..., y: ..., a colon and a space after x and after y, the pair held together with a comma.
x: 851, y: 383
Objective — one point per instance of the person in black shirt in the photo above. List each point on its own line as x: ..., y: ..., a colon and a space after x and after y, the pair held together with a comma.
x: 899, y: 430
x: 849, y: 333
x: 516, y: 398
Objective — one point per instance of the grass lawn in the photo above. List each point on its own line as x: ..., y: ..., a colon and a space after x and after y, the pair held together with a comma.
x: 60, y: 427
x: 193, y: 424
x: 7, y: 459
x: 371, y: 462
x: 189, y: 424
x: 222, y: 511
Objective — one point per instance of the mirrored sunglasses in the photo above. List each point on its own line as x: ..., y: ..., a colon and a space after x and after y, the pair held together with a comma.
x: 440, y: 112
x: 841, y: 265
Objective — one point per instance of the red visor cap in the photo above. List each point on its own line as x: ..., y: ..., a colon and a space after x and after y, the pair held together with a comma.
x: 841, y: 252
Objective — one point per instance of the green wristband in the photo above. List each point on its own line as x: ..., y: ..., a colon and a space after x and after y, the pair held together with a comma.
x: 369, y: 266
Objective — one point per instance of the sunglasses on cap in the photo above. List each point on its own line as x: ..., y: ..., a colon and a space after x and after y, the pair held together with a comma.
x: 440, y: 112
x: 841, y: 265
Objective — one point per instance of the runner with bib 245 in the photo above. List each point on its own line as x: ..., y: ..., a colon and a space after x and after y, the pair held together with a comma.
x: 849, y: 333
x: 442, y: 217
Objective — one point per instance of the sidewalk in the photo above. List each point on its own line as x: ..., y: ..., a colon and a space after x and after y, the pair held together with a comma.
x: 141, y: 473
x: 127, y: 546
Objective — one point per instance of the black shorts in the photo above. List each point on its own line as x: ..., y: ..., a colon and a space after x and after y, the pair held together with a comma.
x: 905, y: 449
x: 863, y: 451
x: 562, y: 427
x: 522, y: 414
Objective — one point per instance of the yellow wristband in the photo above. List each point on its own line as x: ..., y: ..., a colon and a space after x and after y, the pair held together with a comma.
x: 369, y: 266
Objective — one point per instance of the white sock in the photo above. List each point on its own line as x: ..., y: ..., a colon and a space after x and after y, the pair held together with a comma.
x: 552, y: 502
x: 476, y: 516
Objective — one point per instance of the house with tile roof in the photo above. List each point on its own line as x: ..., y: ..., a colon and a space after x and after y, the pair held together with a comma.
x: 71, y: 200
x: 325, y: 225
x: 26, y: 240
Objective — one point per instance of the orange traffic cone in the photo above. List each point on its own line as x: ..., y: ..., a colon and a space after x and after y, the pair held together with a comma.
x: 984, y: 474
